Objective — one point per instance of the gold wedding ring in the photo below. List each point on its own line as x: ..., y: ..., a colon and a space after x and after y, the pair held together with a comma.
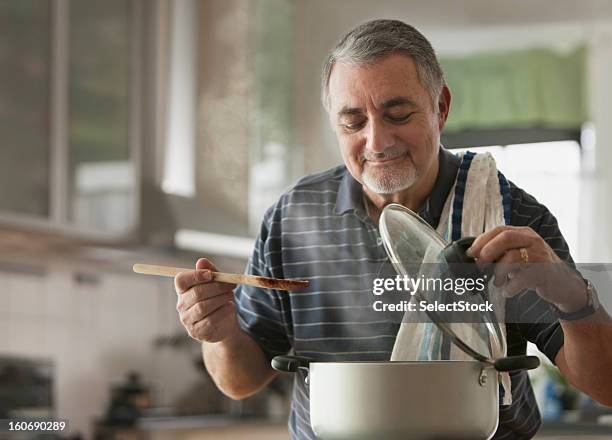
x: 524, y: 255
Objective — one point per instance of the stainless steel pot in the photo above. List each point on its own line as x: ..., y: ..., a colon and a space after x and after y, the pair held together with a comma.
x: 404, y: 400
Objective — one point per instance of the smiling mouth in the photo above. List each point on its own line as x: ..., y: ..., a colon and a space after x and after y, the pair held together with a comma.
x: 385, y: 161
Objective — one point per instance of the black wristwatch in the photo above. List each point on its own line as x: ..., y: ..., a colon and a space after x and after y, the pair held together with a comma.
x: 589, y: 309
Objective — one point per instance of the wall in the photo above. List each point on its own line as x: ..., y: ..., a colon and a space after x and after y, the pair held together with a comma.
x: 94, y: 332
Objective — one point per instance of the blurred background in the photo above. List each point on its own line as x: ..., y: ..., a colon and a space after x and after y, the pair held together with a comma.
x: 159, y: 131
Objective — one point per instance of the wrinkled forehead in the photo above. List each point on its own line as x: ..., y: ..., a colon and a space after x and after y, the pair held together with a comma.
x: 360, y: 85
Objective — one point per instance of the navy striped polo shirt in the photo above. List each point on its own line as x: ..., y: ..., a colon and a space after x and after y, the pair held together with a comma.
x: 319, y: 231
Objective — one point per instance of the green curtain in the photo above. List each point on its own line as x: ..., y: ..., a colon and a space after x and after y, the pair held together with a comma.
x: 519, y: 89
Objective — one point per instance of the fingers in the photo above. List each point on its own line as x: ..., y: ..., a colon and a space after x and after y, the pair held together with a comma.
x: 523, y: 279
x: 205, y: 263
x: 202, y: 309
x: 202, y: 292
x: 508, y: 264
x: 492, y: 245
x: 512, y: 275
x: 186, y: 280
x: 206, y: 307
x: 201, y: 275
x: 212, y: 328
x: 483, y: 239
x: 537, y: 270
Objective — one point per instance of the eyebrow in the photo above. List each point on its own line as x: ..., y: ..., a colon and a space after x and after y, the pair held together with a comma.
x: 390, y: 103
x: 349, y: 111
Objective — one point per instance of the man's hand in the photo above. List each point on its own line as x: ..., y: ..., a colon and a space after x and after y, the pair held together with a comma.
x: 584, y: 359
x: 535, y: 267
x: 206, y: 308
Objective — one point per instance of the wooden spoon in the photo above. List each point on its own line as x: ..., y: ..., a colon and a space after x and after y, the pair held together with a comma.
x: 233, y: 278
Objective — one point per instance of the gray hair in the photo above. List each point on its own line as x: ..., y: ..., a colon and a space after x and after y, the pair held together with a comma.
x: 376, y: 39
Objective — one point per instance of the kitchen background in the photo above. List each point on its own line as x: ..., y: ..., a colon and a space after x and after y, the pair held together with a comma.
x: 159, y: 131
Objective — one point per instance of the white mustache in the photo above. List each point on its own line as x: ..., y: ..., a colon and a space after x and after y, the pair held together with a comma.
x: 389, y: 153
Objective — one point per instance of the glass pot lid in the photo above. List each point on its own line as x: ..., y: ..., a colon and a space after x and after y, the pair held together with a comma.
x: 417, y: 251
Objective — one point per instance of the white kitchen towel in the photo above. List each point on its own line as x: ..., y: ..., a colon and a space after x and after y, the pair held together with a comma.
x: 479, y: 201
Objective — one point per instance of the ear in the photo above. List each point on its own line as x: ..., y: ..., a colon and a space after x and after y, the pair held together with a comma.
x: 444, y: 102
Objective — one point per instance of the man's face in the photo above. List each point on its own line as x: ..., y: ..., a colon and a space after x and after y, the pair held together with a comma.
x: 387, y: 127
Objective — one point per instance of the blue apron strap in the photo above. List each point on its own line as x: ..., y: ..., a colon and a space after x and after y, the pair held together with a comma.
x: 504, y: 190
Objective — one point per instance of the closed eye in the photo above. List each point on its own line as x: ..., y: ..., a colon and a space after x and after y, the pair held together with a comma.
x: 399, y: 118
x: 351, y: 128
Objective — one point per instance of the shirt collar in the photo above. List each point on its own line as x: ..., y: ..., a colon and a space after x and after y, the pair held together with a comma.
x: 350, y: 192
x: 350, y: 195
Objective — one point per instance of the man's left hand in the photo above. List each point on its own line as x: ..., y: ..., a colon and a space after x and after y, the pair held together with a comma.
x: 523, y: 260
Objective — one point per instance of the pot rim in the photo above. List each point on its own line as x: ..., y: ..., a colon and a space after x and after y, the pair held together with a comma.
x: 428, y: 362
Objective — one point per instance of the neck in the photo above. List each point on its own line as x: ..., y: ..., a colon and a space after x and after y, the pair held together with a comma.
x: 412, y: 198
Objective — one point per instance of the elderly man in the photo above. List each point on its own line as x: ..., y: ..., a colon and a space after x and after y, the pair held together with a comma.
x: 387, y: 102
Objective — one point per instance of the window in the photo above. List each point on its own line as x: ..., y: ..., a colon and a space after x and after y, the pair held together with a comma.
x: 25, y: 80
x: 549, y: 171
x: 68, y: 125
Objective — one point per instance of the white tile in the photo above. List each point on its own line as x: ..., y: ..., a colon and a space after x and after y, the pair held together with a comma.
x: 27, y: 294
x: 60, y: 297
x: 5, y: 294
x: 168, y: 318
x: 87, y: 305
x: 26, y: 335
x: 139, y: 291
x: 4, y: 332
x: 97, y: 333
x: 60, y: 339
x: 108, y: 327
x: 114, y: 291
x: 87, y: 295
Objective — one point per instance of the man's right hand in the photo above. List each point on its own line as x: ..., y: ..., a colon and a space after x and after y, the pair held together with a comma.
x: 206, y: 308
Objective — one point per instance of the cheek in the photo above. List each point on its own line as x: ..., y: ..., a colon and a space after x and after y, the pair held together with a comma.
x: 424, y: 135
x: 351, y: 151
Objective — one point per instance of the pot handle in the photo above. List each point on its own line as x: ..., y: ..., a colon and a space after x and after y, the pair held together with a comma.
x: 289, y: 364
x: 516, y: 363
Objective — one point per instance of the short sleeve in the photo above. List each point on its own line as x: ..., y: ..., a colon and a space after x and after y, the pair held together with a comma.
x: 261, y: 313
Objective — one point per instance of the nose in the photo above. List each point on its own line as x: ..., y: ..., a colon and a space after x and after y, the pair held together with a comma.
x: 379, y: 136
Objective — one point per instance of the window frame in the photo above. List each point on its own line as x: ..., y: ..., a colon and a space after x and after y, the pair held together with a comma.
x: 57, y: 220
x: 509, y: 136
